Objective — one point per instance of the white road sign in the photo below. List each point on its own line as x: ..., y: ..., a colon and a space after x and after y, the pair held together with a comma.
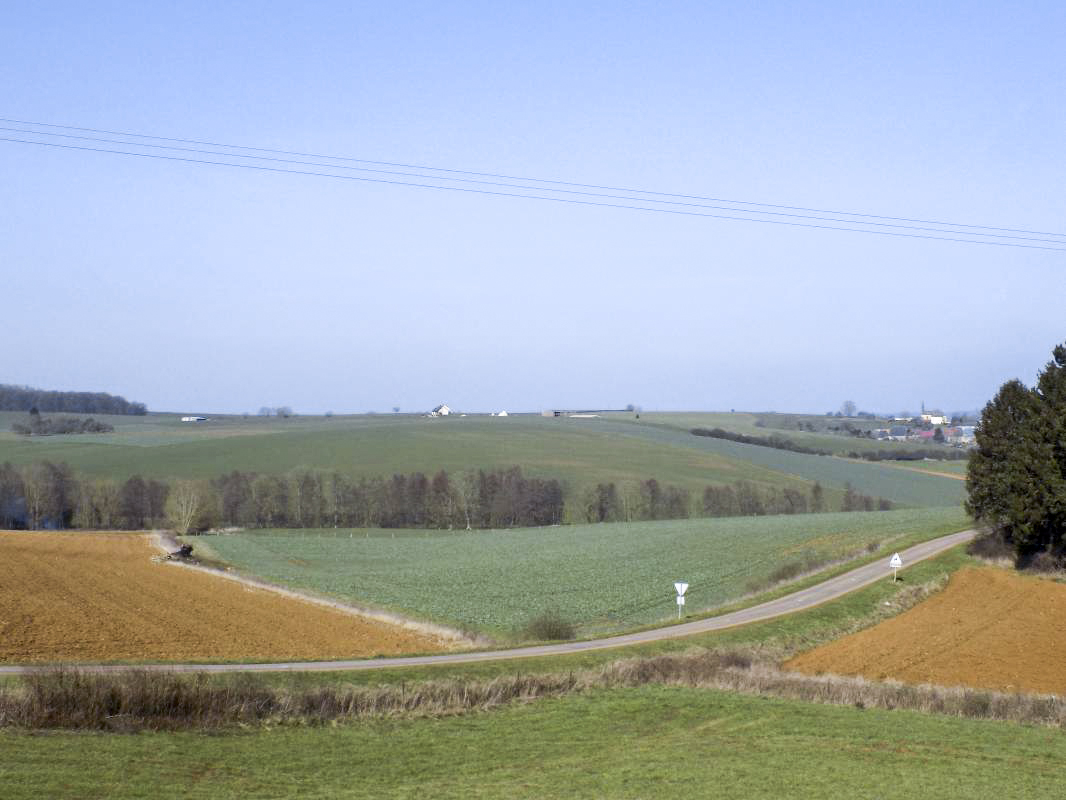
x: 896, y: 561
x: 681, y: 587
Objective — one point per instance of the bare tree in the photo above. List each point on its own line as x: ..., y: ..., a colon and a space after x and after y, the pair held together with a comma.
x: 185, y: 503
x: 35, y: 486
x: 468, y: 495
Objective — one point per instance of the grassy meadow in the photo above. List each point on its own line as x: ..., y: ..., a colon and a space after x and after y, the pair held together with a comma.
x: 580, y: 452
x: 601, y: 577
x: 638, y: 743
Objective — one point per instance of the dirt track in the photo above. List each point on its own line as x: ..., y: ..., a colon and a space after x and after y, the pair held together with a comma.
x: 990, y: 629
x: 100, y: 597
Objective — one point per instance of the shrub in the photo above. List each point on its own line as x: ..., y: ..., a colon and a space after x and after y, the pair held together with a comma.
x: 550, y: 626
x: 1045, y: 562
x: 990, y: 545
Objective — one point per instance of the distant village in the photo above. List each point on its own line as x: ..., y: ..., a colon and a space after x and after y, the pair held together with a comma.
x: 926, y: 427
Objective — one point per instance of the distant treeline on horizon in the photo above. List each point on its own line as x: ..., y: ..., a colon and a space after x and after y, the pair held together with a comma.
x: 25, y: 398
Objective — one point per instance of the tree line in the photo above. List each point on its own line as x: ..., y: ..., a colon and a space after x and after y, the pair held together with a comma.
x: 784, y: 443
x: 50, y: 495
x: 919, y: 454
x: 25, y: 398
x: 773, y: 440
x: 652, y: 500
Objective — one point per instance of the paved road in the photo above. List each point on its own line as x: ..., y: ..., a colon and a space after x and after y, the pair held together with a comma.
x: 797, y: 601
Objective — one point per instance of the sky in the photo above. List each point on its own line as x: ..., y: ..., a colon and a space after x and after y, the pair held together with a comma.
x: 204, y: 287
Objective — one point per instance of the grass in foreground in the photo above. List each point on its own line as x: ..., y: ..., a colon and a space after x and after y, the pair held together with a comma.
x: 645, y: 742
x: 601, y: 577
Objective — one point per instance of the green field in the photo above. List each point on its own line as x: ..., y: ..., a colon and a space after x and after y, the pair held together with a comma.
x: 791, y: 426
x: 622, y: 743
x: 579, y: 452
x: 949, y: 467
x: 604, y: 577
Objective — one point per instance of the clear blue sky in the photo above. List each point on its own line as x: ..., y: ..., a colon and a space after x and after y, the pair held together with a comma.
x: 216, y: 289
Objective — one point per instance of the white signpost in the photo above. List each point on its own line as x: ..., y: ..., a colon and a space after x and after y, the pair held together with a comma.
x: 896, y: 563
x: 681, y: 588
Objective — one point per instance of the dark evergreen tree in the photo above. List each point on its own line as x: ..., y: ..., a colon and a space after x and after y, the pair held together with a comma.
x: 1016, y: 480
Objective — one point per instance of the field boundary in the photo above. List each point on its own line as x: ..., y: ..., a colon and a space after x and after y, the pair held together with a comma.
x: 165, y: 542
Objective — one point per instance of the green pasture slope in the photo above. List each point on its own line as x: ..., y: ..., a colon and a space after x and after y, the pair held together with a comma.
x: 623, y: 743
x: 574, y: 451
x: 787, y: 425
x: 603, y: 577
x: 581, y: 452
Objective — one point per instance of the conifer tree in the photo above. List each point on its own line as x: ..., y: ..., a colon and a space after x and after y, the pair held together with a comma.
x: 1016, y: 480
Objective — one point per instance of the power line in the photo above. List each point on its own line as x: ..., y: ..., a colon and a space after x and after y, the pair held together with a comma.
x: 516, y: 186
x: 540, y: 180
x: 468, y: 190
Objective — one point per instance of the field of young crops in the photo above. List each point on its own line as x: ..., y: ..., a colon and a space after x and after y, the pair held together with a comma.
x: 603, y: 577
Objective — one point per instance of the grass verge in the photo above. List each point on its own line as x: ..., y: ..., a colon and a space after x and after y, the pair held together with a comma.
x: 619, y: 743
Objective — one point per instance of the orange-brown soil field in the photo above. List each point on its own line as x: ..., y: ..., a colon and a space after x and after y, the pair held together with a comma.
x: 101, y: 597
x: 990, y: 629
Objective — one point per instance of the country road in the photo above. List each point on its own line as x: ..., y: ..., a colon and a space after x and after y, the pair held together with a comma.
x: 791, y: 603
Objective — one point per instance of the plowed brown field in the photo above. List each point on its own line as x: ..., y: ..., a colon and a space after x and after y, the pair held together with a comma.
x: 100, y: 597
x: 989, y: 629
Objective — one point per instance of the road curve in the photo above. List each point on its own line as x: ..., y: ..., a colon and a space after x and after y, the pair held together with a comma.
x: 791, y: 603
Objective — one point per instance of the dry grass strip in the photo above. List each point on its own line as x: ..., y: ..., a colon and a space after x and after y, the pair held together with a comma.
x: 140, y: 699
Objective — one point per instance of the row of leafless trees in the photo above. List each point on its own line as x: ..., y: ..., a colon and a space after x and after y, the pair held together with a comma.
x: 649, y: 499
x: 313, y: 499
x: 50, y: 495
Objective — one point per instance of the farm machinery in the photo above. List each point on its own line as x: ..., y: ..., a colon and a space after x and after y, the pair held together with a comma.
x: 183, y: 553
